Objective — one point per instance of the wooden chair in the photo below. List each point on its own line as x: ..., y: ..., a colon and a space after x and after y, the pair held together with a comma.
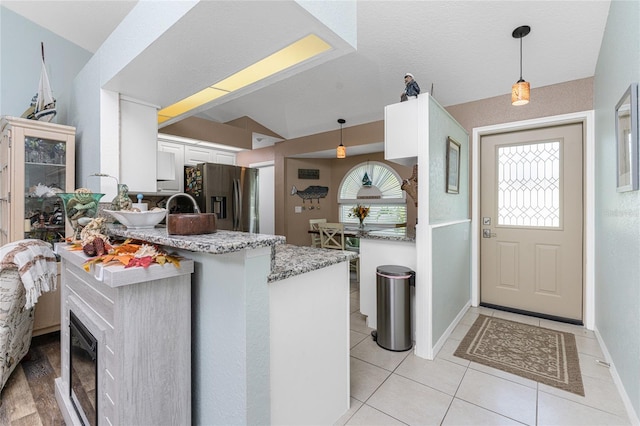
x: 332, y: 237
x: 313, y: 226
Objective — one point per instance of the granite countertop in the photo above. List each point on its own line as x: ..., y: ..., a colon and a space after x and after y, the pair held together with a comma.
x: 293, y: 260
x: 287, y: 260
x: 217, y: 243
x: 394, y: 234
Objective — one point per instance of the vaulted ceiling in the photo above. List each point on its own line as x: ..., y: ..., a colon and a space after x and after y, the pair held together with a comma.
x: 462, y: 49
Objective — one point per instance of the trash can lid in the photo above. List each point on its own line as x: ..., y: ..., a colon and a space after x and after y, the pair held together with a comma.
x: 394, y: 270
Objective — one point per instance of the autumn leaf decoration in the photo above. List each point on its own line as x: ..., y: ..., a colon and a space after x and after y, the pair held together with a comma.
x: 132, y: 254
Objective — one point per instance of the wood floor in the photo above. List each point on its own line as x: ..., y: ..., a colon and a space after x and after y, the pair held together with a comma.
x: 28, y: 398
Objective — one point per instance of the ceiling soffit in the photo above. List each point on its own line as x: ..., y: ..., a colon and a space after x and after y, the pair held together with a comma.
x: 214, y: 40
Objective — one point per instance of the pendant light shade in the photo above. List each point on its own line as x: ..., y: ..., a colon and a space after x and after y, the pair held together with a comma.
x: 341, y: 151
x: 520, y: 91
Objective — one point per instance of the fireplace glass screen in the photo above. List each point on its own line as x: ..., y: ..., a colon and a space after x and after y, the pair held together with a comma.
x: 83, y: 370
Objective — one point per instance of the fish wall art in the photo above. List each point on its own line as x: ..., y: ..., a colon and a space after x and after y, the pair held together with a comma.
x: 311, y: 193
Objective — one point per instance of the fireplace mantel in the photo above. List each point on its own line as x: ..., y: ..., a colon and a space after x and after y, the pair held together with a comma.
x: 141, y: 318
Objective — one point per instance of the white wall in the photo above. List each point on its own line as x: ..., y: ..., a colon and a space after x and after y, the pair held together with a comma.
x: 617, y: 215
x: 95, y: 116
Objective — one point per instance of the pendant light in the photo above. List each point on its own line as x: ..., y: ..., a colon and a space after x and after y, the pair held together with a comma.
x: 520, y: 90
x: 341, y: 151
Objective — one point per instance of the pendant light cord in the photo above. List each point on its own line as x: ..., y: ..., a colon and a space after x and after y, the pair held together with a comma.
x: 521, y: 59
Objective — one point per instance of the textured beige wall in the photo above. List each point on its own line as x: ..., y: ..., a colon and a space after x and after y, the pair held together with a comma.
x: 356, y: 135
x: 572, y: 96
x: 563, y: 98
x: 286, y: 167
x: 207, y: 130
x: 547, y: 101
x: 331, y: 173
x: 297, y: 224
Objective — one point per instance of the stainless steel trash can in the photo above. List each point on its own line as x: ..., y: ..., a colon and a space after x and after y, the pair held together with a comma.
x: 394, y: 307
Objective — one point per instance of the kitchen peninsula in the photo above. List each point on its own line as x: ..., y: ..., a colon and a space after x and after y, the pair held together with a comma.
x: 270, y: 327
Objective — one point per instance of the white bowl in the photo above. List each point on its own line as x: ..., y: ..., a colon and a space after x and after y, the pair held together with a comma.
x: 138, y: 220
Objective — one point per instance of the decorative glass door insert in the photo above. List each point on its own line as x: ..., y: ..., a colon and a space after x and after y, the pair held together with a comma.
x: 529, y: 185
x: 44, y: 177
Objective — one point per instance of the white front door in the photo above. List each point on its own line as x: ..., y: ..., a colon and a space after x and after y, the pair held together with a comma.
x: 531, y: 231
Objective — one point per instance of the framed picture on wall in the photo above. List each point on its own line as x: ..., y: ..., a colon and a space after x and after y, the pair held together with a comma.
x: 453, y: 166
x: 627, y: 153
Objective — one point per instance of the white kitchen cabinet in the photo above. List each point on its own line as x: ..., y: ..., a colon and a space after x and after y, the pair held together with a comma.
x: 196, y: 154
x: 188, y: 152
x: 177, y: 184
x: 138, y: 145
x: 406, y: 124
x: 224, y: 158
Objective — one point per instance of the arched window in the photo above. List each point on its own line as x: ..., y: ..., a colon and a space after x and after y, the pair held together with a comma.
x: 375, y: 185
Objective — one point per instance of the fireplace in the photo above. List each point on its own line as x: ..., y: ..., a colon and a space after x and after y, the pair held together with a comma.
x: 125, y: 343
x: 83, y: 370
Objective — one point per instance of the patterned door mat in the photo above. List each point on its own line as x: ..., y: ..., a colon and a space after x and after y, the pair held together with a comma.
x: 536, y: 353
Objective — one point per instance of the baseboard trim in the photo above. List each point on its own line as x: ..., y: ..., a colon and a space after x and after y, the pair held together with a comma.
x: 447, y: 333
x: 633, y: 416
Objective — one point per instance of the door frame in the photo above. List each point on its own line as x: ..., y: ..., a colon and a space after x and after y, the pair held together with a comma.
x: 587, y: 120
x: 259, y: 165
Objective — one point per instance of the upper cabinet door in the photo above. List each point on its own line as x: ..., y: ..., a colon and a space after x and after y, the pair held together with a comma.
x: 138, y: 145
x: 406, y: 124
x: 194, y: 155
x: 224, y: 158
x: 177, y: 184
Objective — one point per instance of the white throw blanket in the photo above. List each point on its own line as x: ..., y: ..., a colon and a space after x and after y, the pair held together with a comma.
x: 36, y: 265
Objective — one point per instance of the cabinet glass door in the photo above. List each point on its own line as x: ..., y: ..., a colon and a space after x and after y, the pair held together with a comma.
x: 45, y: 174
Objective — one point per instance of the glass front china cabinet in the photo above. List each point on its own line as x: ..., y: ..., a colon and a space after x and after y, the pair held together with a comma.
x: 37, y: 161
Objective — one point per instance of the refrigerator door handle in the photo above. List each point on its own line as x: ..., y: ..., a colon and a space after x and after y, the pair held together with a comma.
x: 237, y: 204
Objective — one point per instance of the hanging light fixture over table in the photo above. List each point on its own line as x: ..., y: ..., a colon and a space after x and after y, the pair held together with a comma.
x: 341, y: 151
x: 520, y: 90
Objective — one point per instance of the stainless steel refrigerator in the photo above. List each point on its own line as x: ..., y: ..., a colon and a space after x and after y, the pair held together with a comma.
x: 231, y: 192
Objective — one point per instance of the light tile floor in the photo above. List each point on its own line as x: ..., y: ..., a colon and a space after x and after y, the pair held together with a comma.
x: 396, y: 388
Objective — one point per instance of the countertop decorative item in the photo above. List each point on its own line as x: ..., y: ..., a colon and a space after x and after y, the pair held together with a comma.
x: 361, y: 212
x: 80, y: 207
x: 139, y: 219
x: 140, y: 206
x: 121, y: 201
x: 131, y: 253
x: 195, y: 223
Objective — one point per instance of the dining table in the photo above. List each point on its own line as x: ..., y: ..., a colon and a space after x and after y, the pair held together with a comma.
x: 352, y: 230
